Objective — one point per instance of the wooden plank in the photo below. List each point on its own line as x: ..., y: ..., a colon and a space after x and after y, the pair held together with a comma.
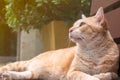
x: 100, y: 3
x: 113, y: 18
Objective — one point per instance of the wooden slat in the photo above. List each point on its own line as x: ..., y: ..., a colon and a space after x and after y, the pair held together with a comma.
x: 100, y: 3
x: 113, y: 18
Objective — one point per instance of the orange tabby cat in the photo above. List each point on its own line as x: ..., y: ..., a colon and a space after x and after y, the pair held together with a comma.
x: 95, y: 56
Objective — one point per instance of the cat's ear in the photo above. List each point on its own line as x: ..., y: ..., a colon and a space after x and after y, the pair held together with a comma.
x: 83, y: 16
x: 100, y: 18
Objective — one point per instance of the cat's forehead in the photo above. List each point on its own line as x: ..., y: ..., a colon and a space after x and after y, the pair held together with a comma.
x: 89, y: 20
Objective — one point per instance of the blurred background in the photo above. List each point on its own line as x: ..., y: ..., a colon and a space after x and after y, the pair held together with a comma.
x: 30, y: 27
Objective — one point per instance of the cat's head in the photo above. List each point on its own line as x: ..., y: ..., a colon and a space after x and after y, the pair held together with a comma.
x: 88, y: 29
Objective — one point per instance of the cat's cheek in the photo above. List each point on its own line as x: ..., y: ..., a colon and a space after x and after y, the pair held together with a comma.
x: 74, y: 40
x: 71, y: 38
x: 72, y: 35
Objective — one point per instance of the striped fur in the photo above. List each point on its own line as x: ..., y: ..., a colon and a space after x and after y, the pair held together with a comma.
x: 95, y: 56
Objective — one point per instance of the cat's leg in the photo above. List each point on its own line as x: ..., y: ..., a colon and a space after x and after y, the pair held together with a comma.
x: 107, y: 76
x: 77, y: 75
x: 18, y: 75
x: 16, y: 66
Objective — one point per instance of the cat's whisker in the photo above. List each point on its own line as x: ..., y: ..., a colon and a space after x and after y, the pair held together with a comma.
x: 68, y: 43
x: 84, y: 39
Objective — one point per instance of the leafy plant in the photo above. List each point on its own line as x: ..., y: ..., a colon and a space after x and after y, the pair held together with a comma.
x: 2, y: 12
x: 27, y: 14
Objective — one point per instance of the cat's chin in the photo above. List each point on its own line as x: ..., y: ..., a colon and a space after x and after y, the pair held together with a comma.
x: 75, y: 39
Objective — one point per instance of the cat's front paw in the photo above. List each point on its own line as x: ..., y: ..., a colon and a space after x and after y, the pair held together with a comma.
x: 107, y: 76
x: 5, y: 76
x: 92, y: 78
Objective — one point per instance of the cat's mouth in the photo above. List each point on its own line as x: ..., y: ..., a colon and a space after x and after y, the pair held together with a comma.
x: 75, y: 38
x: 78, y: 38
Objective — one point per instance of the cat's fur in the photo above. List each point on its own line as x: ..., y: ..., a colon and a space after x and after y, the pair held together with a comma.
x: 95, y: 56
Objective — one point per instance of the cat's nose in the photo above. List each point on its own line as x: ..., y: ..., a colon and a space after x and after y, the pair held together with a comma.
x: 70, y: 30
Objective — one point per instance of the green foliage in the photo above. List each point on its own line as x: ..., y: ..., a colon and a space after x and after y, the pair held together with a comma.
x: 27, y: 14
x: 2, y: 12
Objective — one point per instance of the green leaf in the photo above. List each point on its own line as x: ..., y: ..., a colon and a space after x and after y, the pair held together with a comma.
x: 21, y: 14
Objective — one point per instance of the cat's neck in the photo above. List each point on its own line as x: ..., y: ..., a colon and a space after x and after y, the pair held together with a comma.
x: 98, y: 46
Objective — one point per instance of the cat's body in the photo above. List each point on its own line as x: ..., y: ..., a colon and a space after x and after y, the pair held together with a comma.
x: 95, y: 56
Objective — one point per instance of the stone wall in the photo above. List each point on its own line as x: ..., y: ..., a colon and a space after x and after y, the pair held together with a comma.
x: 30, y: 44
x: 52, y: 36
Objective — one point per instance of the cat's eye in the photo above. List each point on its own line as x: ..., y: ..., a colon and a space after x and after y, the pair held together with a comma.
x: 81, y: 24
